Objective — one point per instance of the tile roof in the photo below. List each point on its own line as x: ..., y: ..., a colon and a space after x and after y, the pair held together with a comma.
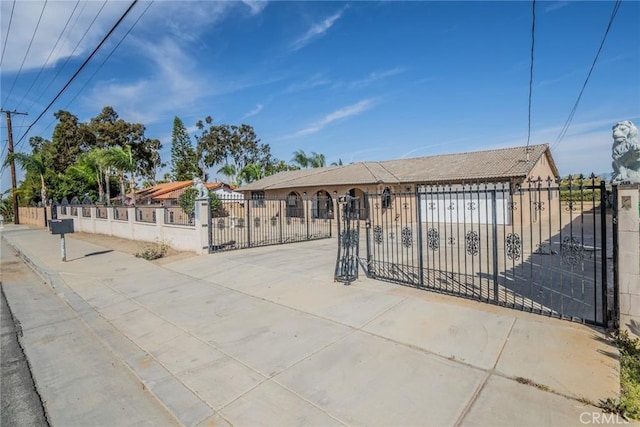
x: 171, y: 190
x: 473, y: 166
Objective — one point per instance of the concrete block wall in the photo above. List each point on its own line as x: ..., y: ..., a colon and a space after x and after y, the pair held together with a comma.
x: 180, y: 237
x: 629, y: 257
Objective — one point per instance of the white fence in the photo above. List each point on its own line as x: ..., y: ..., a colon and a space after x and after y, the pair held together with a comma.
x: 144, y: 223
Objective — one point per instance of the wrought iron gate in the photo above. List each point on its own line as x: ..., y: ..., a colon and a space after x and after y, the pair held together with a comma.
x: 539, y: 246
x: 238, y: 223
x: 348, y: 239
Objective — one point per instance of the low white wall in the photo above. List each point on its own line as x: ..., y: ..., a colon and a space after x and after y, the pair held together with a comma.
x: 179, y: 237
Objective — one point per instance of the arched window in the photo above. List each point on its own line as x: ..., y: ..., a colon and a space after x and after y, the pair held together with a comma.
x: 386, y: 198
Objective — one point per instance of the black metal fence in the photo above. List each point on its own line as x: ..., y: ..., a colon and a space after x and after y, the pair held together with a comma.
x: 539, y: 246
x: 237, y: 223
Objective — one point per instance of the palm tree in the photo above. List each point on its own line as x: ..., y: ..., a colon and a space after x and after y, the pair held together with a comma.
x: 251, y: 172
x: 230, y: 172
x: 32, y: 163
x: 122, y: 161
x: 317, y: 160
x: 300, y: 158
x: 338, y: 163
x: 90, y: 166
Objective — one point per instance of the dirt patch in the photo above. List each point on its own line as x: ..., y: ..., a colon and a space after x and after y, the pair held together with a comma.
x: 129, y: 246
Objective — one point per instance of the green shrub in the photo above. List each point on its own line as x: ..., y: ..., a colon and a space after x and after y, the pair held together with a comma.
x: 187, y: 202
x: 628, y: 404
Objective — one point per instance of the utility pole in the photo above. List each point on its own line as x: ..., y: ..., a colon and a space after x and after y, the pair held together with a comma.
x: 14, y: 194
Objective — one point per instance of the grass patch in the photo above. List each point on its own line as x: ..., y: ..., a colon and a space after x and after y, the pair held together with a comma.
x: 151, y: 251
x: 628, y: 404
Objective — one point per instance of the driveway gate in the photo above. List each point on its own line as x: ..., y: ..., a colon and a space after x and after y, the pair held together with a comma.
x: 540, y: 246
x: 238, y: 223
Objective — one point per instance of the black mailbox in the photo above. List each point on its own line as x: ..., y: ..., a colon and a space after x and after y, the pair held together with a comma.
x: 61, y: 226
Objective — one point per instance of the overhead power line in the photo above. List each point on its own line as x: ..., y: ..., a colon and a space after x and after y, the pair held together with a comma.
x: 48, y: 57
x: 4, y: 47
x: 563, y: 132
x: 60, y: 68
x: 86, y: 61
x: 26, y: 53
x: 533, y: 40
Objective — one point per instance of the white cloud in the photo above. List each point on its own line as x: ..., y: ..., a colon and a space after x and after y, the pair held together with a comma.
x: 342, y: 113
x: 374, y: 77
x: 23, y: 32
x: 173, y: 84
x: 315, y: 81
x: 255, y: 6
x: 555, y: 6
x: 253, y: 112
x: 317, y: 30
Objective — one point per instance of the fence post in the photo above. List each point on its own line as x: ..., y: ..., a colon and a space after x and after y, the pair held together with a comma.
x: 247, y: 223
x: 628, y: 259
x: 307, y: 217
x: 201, y: 221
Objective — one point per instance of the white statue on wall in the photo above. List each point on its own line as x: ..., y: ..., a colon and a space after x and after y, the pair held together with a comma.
x: 626, y: 152
x: 202, y: 190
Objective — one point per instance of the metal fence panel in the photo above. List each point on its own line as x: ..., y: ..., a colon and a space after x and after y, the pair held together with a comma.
x: 245, y: 223
x: 539, y: 246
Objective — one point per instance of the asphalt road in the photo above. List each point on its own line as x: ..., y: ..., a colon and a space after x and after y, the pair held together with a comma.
x: 20, y: 402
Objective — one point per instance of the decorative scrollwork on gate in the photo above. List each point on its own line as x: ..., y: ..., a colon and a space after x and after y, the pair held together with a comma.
x: 471, y: 206
x: 571, y: 206
x: 433, y: 239
x: 572, y: 251
x: 432, y: 206
x: 221, y: 224
x: 513, y: 246
x: 349, y: 239
x: 538, y: 206
x: 377, y: 235
x: 407, y: 237
x: 452, y: 241
x: 472, y: 243
x: 451, y: 207
x: 512, y: 206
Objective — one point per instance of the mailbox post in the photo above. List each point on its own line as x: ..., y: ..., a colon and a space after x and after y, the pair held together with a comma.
x: 62, y: 227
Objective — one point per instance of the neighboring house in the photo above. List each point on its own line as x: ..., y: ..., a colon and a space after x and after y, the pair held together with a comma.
x: 322, y: 186
x: 168, y: 193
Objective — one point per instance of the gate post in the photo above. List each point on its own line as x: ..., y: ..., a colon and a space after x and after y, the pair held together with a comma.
x: 201, y: 221
x: 494, y: 228
x: 419, y: 221
x: 628, y: 259
x: 604, y: 273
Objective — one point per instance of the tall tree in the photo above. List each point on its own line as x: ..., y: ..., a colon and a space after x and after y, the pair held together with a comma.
x: 32, y: 164
x: 122, y: 161
x: 236, y: 146
x: 300, y: 158
x: 70, y: 138
x: 315, y: 160
x: 109, y: 130
x: 230, y: 172
x: 184, y: 164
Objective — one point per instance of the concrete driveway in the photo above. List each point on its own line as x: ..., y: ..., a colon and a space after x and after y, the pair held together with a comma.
x: 265, y: 337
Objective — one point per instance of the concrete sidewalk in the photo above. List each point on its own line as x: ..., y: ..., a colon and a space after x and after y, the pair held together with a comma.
x: 264, y: 337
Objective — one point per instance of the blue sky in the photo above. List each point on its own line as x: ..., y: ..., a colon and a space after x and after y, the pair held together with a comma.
x: 352, y: 80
